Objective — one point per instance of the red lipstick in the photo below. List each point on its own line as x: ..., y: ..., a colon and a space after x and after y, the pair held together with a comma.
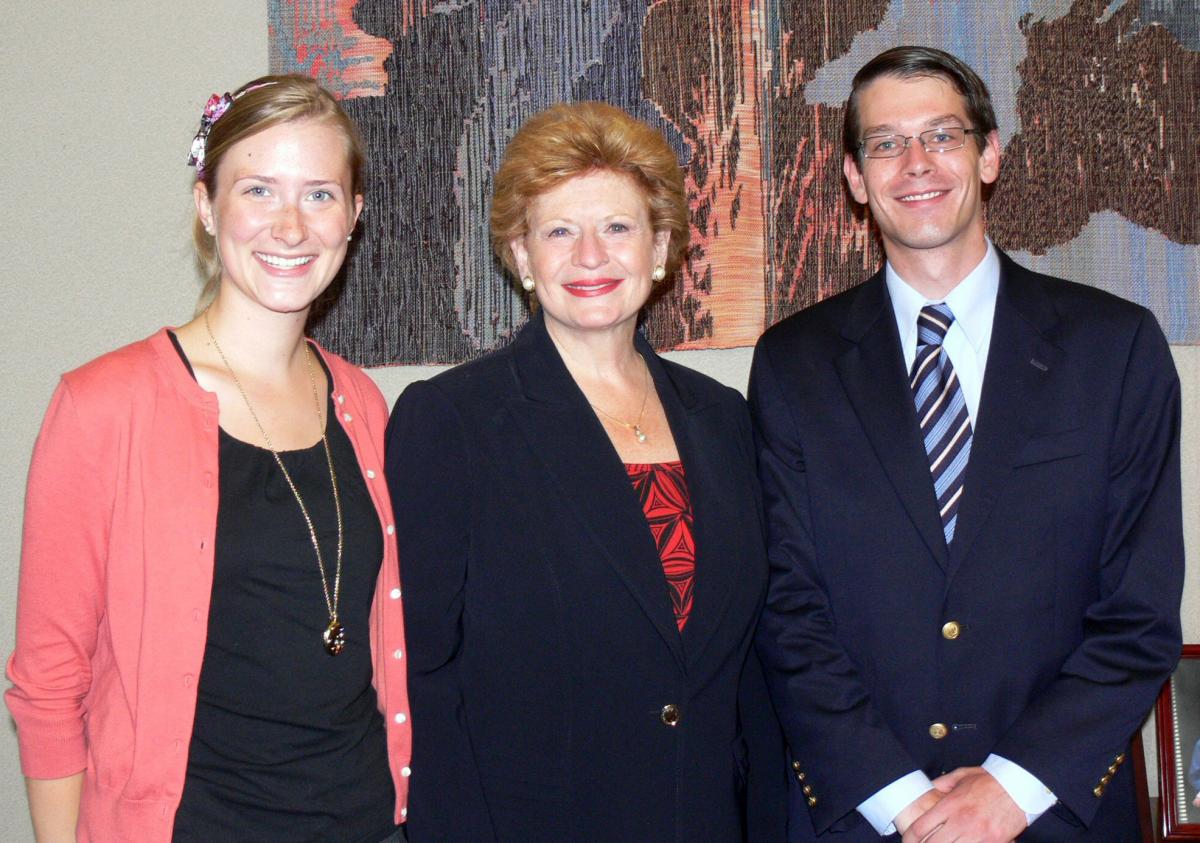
x: 591, y: 287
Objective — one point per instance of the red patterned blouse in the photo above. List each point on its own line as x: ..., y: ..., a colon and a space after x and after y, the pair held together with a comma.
x: 662, y: 490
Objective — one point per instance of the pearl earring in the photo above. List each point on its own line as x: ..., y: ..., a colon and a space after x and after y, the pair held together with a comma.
x: 527, y: 283
x: 349, y: 237
x: 659, y: 273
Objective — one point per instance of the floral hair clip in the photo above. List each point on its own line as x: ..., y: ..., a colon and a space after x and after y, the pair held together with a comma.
x: 217, y: 105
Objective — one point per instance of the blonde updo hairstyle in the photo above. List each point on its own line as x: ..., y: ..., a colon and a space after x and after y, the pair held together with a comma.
x: 259, y: 105
x: 575, y: 139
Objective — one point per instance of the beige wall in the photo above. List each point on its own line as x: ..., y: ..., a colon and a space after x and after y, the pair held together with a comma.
x: 100, y: 105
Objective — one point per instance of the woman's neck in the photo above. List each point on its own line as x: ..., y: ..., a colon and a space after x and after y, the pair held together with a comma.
x: 265, y: 345
x: 605, y: 356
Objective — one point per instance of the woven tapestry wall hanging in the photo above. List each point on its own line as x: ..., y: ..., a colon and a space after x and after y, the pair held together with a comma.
x: 1097, y: 104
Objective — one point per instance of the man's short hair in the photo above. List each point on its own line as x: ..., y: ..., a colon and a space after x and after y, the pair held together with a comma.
x: 910, y: 62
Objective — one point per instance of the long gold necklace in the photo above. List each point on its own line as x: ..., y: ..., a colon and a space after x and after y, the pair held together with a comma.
x: 636, y: 426
x: 334, y: 635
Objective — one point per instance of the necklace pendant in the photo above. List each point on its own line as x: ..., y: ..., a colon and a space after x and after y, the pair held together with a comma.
x: 334, y: 637
x: 638, y: 434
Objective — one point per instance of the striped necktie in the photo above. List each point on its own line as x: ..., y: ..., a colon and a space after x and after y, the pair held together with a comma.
x: 942, y: 413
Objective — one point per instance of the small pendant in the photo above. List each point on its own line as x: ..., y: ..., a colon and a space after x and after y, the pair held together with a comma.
x: 637, y: 434
x: 334, y: 637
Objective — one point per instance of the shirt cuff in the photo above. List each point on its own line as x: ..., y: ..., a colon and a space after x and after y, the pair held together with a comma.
x: 880, y: 810
x: 1026, y: 789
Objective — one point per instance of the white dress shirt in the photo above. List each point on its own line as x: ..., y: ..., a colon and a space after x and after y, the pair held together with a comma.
x: 973, y: 303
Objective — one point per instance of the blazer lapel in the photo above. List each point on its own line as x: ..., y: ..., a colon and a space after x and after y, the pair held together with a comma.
x: 568, y: 440
x: 872, y: 373
x: 1026, y: 391
x: 712, y: 474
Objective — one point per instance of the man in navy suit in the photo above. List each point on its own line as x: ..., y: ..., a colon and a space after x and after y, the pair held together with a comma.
x: 971, y: 475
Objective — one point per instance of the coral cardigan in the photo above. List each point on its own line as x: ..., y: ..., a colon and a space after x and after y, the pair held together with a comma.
x: 116, y: 574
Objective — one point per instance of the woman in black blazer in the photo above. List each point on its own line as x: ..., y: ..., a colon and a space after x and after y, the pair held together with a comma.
x: 580, y: 538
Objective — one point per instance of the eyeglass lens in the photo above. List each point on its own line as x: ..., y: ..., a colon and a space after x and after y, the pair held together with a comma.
x: 934, y: 140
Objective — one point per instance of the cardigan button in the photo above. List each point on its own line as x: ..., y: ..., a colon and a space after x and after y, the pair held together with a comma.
x: 938, y: 731
x: 951, y: 630
x: 394, y: 594
x: 406, y: 771
x: 670, y: 715
x: 400, y: 717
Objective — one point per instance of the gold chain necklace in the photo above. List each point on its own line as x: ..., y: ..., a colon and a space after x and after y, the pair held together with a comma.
x: 334, y: 635
x: 636, y: 426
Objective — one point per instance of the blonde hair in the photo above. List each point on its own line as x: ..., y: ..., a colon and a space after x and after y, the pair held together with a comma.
x: 573, y: 139
x: 256, y: 106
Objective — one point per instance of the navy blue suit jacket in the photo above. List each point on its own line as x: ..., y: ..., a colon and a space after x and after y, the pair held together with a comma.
x: 541, y: 635
x: 1064, y: 576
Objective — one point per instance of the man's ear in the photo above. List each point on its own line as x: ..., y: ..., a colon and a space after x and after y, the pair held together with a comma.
x: 989, y: 158
x: 854, y: 178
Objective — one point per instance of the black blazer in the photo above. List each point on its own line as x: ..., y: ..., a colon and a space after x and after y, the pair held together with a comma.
x: 542, y: 641
x: 1063, y: 580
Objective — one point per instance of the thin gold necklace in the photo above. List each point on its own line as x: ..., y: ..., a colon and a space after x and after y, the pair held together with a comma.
x: 334, y: 635
x: 635, y: 427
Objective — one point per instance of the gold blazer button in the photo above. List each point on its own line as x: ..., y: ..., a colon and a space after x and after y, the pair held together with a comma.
x: 670, y: 715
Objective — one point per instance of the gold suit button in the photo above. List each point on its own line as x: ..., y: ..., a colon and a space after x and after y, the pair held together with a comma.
x: 1112, y: 770
x: 796, y: 766
x: 812, y: 801
x: 951, y: 630
x: 938, y: 731
x: 1098, y: 791
x: 670, y: 714
x: 1120, y: 759
x: 807, y: 790
x: 1105, y: 779
x: 800, y: 776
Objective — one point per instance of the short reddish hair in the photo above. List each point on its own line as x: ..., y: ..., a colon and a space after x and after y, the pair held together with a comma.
x: 573, y: 139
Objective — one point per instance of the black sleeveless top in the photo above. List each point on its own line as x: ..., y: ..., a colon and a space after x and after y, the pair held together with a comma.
x: 287, y: 743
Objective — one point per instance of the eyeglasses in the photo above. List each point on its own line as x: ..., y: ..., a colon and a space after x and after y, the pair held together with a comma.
x: 945, y: 139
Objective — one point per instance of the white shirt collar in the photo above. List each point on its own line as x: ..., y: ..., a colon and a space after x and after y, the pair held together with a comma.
x: 972, y: 301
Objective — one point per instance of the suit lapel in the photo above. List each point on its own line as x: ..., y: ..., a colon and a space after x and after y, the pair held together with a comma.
x: 1025, y: 390
x: 567, y: 439
x: 872, y: 373
x: 712, y: 474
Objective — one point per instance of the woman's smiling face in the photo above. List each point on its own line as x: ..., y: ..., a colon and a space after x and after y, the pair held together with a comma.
x: 281, y: 213
x: 591, y: 251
